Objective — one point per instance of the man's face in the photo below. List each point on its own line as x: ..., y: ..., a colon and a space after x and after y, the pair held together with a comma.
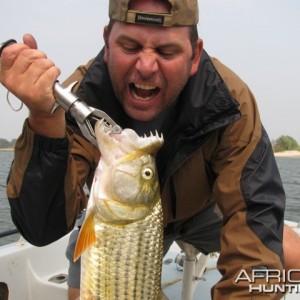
x: 149, y: 66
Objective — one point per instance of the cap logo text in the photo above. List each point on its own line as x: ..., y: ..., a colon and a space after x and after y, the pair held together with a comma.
x: 149, y: 19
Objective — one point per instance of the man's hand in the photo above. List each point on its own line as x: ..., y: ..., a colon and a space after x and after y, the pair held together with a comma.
x: 30, y: 75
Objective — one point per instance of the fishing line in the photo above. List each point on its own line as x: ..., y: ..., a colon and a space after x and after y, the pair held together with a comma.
x: 2, y: 46
x: 9, y: 103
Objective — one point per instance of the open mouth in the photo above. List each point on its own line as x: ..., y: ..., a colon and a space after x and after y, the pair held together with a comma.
x: 143, y: 92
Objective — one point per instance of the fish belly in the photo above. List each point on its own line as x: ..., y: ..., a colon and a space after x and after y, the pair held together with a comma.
x: 125, y: 262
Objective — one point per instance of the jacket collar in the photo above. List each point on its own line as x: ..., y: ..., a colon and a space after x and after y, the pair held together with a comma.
x: 204, y: 104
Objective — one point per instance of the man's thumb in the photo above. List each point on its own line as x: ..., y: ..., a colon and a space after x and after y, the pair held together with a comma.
x: 30, y: 41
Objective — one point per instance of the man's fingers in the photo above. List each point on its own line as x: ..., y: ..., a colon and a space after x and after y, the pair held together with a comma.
x: 27, y: 57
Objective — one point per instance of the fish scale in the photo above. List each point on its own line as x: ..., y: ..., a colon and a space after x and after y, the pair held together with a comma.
x: 125, y: 263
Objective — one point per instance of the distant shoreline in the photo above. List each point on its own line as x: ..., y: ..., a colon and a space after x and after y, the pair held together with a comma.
x: 6, y: 149
x: 293, y: 153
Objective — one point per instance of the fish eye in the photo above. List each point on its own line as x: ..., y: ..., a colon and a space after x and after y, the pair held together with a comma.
x: 147, y: 173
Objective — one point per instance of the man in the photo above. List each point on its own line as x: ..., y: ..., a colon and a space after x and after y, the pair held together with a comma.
x: 153, y: 75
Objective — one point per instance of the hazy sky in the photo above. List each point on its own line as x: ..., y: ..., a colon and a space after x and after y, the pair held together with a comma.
x: 258, y: 39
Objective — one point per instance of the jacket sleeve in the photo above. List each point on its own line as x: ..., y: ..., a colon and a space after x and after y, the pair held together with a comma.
x: 249, y: 192
x: 45, y: 186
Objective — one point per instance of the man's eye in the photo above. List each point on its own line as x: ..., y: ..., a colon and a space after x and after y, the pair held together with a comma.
x: 131, y: 49
x: 166, y: 53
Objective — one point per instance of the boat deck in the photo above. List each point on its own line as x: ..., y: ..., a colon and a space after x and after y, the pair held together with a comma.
x: 30, y: 275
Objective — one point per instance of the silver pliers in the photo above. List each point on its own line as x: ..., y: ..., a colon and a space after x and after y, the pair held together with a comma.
x: 79, y: 110
x: 82, y: 113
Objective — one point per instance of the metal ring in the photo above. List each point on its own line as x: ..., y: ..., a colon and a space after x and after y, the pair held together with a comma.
x: 5, y: 44
x: 8, y: 101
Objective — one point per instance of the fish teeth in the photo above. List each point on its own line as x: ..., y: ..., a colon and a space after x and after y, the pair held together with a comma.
x: 153, y: 135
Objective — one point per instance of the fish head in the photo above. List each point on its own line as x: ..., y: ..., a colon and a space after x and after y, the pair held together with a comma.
x: 126, y: 186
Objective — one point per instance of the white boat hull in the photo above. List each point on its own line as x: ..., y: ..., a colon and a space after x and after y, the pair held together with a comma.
x: 27, y: 269
x: 33, y: 273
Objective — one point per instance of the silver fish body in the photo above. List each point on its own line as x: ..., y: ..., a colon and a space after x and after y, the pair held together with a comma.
x: 121, y: 240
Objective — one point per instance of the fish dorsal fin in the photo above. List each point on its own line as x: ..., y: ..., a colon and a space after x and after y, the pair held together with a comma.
x: 86, y: 237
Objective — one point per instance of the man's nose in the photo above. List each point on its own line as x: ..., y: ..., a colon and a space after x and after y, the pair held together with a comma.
x: 147, y: 64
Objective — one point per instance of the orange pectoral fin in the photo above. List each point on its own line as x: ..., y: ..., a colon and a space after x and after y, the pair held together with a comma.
x: 86, y: 237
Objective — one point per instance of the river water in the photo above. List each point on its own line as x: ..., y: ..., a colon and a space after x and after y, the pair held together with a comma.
x: 289, y: 169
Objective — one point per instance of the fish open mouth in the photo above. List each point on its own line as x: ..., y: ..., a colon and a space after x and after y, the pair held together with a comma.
x: 142, y: 91
x: 126, y: 142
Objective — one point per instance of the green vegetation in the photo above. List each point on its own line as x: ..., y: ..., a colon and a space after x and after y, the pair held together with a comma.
x: 5, y: 144
x: 285, y: 143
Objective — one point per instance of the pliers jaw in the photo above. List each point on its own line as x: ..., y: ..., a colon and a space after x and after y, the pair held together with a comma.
x: 82, y: 113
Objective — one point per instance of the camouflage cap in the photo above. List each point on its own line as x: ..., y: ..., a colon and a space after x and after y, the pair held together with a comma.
x: 182, y: 13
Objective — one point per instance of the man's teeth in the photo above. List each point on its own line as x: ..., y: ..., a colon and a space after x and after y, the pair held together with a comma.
x: 144, y: 87
x: 143, y: 92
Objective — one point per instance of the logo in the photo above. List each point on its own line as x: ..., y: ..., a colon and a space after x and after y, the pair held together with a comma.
x: 263, y: 280
x: 149, y: 19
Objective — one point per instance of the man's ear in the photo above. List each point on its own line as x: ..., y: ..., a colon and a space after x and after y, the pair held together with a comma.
x: 196, y: 58
x: 105, y: 38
